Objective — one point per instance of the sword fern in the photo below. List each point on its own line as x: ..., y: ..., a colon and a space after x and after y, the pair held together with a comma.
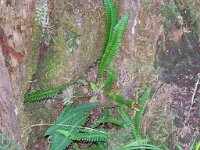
x: 113, y: 45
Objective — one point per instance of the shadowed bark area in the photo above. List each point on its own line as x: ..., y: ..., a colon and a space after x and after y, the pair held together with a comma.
x: 8, y: 119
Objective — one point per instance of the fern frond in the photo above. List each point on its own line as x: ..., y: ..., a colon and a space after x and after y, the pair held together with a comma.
x: 110, y: 79
x: 59, y: 142
x: 71, y: 121
x: 45, y: 94
x: 138, y: 115
x: 110, y: 119
x: 114, y: 45
x: 127, y: 120
x: 72, y: 116
x: 197, y: 146
x: 111, y: 20
x: 90, y: 137
x: 141, y: 146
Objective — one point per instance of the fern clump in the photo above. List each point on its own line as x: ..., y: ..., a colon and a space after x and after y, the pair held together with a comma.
x: 70, y: 122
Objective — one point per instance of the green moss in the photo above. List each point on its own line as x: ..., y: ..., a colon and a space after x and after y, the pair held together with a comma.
x: 33, y: 50
x: 62, y: 47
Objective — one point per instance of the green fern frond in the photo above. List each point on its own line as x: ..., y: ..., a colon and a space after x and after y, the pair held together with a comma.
x: 110, y: 119
x: 45, y: 94
x: 197, y: 146
x: 90, y: 137
x: 138, y: 115
x: 105, y: 113
x: 140, y: 146
x: 110, y: 79
x: 59, y: 142
x: 70, y: 120
x: 111, y: 20
x: 127, y: 120
x: 72, y: 115
x: 114, y: 45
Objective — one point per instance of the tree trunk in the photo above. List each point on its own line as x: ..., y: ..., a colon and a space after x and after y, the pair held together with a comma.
x: 9, y: 124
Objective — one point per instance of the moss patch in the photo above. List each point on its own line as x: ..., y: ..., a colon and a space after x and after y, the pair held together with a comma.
x: 75, y: 42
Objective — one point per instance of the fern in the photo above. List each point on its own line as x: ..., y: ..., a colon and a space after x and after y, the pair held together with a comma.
x: 111, y: 20
x: 93, y: 136
x: 127, y: 120
x: 139, y: 144
x: 110, y: 119
x: 63, y: 141
x: 44, y: 94
x: 138, y: 115
x: 110, y: 79
x: 7, y: 144
x: 71, y: 120
x: 59, y: 142
x: 113, y: 45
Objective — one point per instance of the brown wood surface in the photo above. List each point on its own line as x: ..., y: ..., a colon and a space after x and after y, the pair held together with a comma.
x: 8, y: 118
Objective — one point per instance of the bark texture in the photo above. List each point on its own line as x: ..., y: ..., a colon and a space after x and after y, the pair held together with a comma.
x: 9, y: 124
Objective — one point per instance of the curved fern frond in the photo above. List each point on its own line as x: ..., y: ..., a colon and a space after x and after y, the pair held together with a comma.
x: 114, y: 45
x: 139, y: 144
x: 45, y: 94
x: 111, y: 20
x: 110, y: 119
x: 127, y: 120
x: 138, y: 115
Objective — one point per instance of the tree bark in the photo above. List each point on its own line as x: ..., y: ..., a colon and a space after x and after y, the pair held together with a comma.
x: 8, y: 119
